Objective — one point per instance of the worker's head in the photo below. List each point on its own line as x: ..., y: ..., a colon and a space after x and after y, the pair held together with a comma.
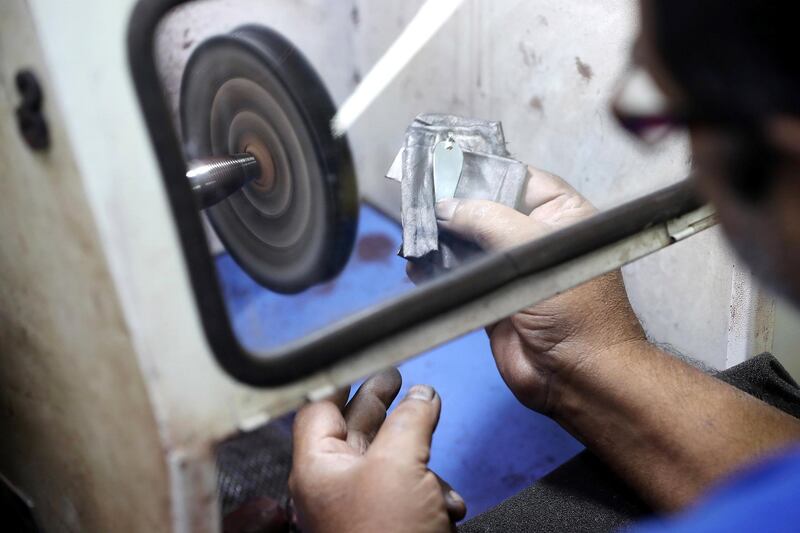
x: 729, y: 71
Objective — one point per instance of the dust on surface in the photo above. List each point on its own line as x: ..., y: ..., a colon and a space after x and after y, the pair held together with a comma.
x: 187, y: 41
x: 529, y: 55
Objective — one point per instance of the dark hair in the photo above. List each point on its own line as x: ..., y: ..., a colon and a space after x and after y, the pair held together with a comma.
x: 737, y: 56
x: 736, y: 59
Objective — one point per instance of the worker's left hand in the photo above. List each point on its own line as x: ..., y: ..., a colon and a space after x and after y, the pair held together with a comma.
x: 540, y: 347
x: 352, y: 471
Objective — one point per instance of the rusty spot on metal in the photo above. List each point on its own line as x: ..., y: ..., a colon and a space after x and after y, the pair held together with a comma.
x: 584, y: 69
x: 325, y: 288
x: 375, y: 247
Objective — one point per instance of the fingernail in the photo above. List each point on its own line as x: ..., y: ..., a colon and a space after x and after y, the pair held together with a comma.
x: 455, y: 497
x: 421, y: 392
x: 445, y: 209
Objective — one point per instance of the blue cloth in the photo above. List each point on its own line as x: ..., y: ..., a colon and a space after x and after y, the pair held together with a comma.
x: 764, y: 497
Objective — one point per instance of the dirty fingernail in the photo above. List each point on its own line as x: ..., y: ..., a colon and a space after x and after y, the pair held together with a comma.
x: 421, y: 392
x: 454, y: 497
x: 445, y: 209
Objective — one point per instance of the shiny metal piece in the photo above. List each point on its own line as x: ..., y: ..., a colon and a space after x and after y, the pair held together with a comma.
x: 448, y: 160
x: 215, y: 178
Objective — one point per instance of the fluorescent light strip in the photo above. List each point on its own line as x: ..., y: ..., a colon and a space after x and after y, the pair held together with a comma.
x: 428, y: 20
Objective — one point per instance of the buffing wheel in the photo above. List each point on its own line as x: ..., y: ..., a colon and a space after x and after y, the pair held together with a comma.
x: 253, y: 91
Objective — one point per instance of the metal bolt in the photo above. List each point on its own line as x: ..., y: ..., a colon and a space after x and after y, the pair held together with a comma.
x: 215, y: 178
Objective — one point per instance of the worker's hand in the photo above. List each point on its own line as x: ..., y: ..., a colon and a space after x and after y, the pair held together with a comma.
x: 352, y: 471
x: 543, y: 344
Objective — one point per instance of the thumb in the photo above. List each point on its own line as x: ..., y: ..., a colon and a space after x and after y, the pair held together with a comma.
x: 490, y: 225
x: 408, y: 430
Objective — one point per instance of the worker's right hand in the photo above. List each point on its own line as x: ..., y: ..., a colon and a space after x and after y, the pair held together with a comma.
x: 541, y: 346
x: 354, y: 471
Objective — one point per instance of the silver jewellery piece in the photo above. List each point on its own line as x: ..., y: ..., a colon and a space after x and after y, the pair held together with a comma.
x: 448, y: 159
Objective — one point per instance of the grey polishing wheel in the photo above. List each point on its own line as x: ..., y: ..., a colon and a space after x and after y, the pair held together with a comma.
x: 253, y: 91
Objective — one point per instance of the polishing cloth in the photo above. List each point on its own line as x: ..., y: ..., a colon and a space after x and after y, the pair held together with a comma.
x: 488, y: 173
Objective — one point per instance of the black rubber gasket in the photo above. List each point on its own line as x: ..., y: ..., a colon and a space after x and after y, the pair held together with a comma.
x: 358, y: 332
x: 319, y: 164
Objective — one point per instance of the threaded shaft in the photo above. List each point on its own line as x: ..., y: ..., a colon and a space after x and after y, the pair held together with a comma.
x: 215, y: 178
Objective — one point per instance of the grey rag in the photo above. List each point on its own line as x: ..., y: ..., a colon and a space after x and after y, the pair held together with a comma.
x: 488, y: 173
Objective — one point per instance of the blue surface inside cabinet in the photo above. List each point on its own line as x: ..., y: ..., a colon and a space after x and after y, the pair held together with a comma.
x: 487, y: 445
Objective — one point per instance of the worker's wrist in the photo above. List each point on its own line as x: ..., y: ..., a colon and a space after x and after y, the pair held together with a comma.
x: 598, y: 374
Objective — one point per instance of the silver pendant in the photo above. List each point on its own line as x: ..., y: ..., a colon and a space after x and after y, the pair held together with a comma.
x: 448, y: 159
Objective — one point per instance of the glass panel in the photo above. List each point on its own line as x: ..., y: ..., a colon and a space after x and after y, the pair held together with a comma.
x: 288, y: 255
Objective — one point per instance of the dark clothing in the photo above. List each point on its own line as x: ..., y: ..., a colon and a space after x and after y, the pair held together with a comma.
x: 584, y: 495
x: 761, y: 497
